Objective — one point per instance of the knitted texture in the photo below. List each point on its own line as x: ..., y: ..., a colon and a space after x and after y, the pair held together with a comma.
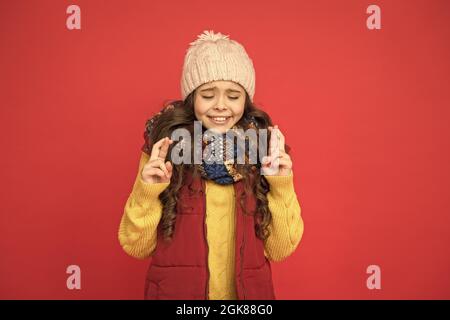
x: 213, y: 57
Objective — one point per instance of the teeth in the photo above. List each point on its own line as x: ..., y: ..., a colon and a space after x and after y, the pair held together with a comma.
x: 219, y: 118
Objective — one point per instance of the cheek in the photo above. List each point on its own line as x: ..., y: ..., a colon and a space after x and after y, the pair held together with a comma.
x: 200, y: 109
x: 238, y: 111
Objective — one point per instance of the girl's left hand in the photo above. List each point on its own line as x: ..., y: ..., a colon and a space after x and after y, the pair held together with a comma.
x: 278, y: 162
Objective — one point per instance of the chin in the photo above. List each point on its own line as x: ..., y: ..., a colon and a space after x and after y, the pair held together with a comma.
x: 219, y: 129
x: 222, y: 128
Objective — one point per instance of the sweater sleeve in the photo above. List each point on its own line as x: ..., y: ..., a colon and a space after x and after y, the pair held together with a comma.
x: 286, y: 228
x: 142, y: 213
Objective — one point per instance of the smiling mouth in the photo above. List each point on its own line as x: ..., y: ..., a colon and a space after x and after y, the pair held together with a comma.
x: 219, y: 120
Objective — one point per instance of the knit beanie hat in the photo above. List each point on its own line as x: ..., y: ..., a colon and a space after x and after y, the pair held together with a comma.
x: 213, y: 57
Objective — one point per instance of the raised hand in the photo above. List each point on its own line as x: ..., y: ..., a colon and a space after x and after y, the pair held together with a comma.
x: 277, y: 162
x: 155, y: 170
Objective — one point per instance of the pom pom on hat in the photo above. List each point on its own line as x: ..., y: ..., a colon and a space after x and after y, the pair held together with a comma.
x: 209, y: 36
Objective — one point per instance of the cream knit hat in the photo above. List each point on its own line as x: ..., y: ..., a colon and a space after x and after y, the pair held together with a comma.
x: 213, y: 56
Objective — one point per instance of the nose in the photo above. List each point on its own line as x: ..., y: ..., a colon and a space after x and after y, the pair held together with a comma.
x: 220, y: 107
x: 221, y: 103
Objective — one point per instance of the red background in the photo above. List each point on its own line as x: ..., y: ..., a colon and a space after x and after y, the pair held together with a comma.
x: 366, y: 113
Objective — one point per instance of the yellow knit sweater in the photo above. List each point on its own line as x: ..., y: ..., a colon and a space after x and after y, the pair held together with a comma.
x: 142, y: 213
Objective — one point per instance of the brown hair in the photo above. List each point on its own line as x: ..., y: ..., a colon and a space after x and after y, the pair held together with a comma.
x: 182, y: 116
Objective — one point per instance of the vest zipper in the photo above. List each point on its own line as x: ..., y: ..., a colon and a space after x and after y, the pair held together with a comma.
x: 242, y: 254
x: 206, y: 240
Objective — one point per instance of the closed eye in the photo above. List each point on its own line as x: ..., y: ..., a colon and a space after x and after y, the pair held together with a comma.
x: 232, y: 98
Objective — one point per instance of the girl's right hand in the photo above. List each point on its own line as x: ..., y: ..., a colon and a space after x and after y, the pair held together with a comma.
x: 155, y: 170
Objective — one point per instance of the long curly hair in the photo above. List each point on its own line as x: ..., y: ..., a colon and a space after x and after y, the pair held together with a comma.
x: 182, y: 115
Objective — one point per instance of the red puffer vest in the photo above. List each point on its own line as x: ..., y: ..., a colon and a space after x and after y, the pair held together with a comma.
x: 179, y: 270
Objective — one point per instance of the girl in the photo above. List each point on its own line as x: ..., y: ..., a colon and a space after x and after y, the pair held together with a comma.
x: 212, y: 229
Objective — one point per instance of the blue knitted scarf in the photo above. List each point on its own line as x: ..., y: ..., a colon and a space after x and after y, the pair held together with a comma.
x: 224, y: 171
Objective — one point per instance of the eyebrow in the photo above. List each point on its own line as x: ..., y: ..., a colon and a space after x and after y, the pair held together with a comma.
x: 228, y: 90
